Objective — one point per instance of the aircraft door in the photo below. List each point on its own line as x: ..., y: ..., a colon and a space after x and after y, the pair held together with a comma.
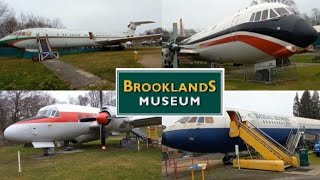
x: 34, y: 133
x: 91, y: 35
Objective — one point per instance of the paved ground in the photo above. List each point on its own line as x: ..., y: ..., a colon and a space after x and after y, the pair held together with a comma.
x: 219, y: 171
x: 75, y: 76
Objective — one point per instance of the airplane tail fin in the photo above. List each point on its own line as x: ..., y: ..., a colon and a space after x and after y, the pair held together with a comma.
x: 133, y: 26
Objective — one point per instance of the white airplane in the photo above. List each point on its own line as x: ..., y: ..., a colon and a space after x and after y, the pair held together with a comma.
x: 73, y: 123
x: 257, y: 34
x: 62, y: 38
x: 211, y: 134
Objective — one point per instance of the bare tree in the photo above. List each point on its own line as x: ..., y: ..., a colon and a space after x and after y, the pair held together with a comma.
x: 83, y: 100
x: 94, y: 98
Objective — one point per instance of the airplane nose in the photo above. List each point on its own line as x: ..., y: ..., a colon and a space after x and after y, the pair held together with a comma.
x: 16, y: 133
x: 9, y: 134
x: 164, y: 139
x: 304, y: 33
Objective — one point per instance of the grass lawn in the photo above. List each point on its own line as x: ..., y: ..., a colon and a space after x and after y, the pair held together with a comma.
x: 104, y: 64
x: 93, y: 163
x: 23, y: 74
x: 309, y: 78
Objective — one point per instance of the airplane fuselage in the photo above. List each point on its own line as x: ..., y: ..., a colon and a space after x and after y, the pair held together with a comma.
x: 212, y: 136
x: 62, y: 122
x: 259, y: 33
x: 58, y: 38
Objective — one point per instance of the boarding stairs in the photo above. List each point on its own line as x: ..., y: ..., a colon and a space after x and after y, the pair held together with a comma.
x: 45, y: 51
x: 276, y: 156
x: 293, y: 139
x: 137, y: 132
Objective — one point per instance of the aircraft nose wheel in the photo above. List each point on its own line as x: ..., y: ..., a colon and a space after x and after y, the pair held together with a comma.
x: 228, y: 160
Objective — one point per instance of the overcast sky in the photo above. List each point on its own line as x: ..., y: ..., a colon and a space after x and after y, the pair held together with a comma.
x: 109, y: 16
x: 199, y: 14
x: 276, y: 102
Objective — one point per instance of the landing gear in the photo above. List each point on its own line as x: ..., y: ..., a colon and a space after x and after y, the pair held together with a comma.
x: 283, y: 62
x: 127, y: 142
x: 228, y: 159
x: 48, y: 151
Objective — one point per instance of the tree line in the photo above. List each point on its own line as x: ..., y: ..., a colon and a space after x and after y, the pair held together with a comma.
x: 10, y: 21
x: 308, y: 106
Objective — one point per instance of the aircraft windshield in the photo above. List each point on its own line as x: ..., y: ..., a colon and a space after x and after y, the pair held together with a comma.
x: 282, y: 11
x: 49, y: 113
x: 200, y: 120
x: 15, y: 33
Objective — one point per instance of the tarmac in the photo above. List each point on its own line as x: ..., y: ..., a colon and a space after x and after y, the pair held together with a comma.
x: 76, y: 77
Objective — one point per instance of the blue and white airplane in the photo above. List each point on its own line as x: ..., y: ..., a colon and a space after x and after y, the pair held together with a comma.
x: 211, y: 134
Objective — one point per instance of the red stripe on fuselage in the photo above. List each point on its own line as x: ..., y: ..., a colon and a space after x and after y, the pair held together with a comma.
x: 266, y: 46
x: 65, y: 117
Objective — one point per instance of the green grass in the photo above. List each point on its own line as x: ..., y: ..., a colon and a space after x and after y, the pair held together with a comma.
x: 104, y: 64
x: 23, y: 74
x: 309, y: 78
x: 301, y: 59
x: 93, y: 163
x: 20, y: 74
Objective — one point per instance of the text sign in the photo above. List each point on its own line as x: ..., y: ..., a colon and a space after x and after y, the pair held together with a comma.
x: 170, y: 92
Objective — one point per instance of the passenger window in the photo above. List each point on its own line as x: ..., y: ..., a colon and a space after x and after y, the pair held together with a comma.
x: 252, y: 17
x: 57, y: 114
x: 201, y: 120
x: 209, y: 120
x: 282, y: 11
x: 193, y: 120
x: 258, y: 16
x: 183, y: 120
x: 265, y: 14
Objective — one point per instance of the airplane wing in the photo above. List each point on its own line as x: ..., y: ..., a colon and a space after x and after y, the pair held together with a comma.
x: 126, y: 39
x: 145, y: 121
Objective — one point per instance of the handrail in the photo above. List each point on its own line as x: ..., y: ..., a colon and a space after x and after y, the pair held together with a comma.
x: 287, y: 152
x: 289, y: 137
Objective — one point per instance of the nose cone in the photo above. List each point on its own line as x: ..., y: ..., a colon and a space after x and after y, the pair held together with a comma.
x: 9, y: 133
x: 304, y: 33
x: 3, y: 41
x: 16, y: 133
x: 164, y: 139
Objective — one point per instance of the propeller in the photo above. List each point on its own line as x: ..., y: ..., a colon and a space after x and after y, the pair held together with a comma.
x: 171, y: 60
x: 103, y: 119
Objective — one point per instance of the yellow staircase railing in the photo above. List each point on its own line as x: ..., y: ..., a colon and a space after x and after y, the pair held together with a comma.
x: 262, y: 143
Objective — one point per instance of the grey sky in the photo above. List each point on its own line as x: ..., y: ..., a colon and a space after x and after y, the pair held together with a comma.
x: 199, y: 14
x: 109, y: 16
x: 276, y: 102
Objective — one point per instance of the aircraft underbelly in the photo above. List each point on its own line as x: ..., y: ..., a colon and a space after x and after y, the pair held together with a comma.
x: 234, y: 52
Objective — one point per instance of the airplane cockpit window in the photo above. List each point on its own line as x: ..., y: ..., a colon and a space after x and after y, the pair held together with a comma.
x: 15, y: 33
x: 209, y: 120
x: 201, y: 120
x: 258, y: 16
x: 265, y: 14
x: 273, y: 14
x: 252, y: 17
x: 193, y: 120
x: 183, y: 120
x: 49, y: 113
x: 282, y: 11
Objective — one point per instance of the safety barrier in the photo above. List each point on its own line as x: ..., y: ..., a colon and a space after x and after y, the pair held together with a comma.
x: 185, y: 163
